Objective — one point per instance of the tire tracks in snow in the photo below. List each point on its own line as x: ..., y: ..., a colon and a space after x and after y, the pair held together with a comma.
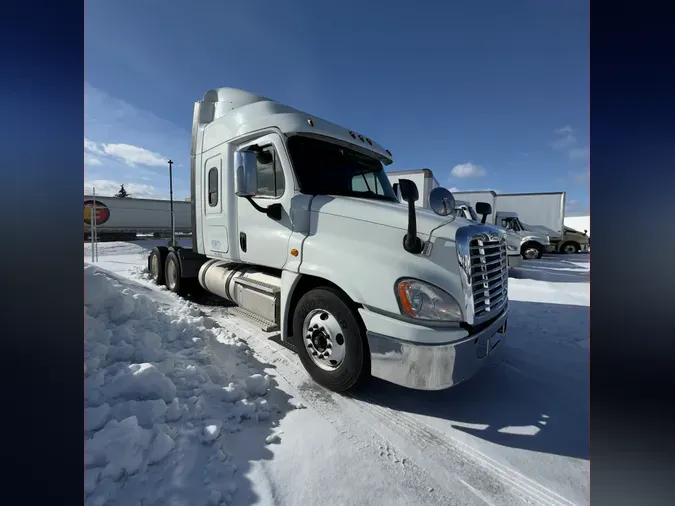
x: 454, y: 466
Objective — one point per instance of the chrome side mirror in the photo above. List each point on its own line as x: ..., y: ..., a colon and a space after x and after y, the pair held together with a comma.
x: 246, y: 174
x: 442, y: 202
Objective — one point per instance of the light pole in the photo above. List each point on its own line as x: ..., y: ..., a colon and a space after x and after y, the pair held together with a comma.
x: 173, y: 225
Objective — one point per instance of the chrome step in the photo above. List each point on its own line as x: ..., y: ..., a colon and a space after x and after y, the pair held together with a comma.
x: 264, y: 324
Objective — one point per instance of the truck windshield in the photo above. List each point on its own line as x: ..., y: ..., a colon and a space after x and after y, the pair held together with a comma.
x: 512, y: 224
x: 324, y: 168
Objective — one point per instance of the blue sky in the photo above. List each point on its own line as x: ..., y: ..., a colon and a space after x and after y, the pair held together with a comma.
x: 486, y: 93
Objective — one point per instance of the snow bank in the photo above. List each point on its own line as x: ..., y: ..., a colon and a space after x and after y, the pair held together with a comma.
x: 158, y: 403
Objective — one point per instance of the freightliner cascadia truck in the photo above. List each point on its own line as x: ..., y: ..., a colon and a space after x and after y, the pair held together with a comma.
x: 296, y: 224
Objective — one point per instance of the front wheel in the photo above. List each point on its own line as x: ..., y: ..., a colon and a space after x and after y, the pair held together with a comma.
x: 532, y: 251
x: 330, y: 340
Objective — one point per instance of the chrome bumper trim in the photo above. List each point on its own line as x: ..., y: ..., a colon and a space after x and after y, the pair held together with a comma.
x: 437, y: 366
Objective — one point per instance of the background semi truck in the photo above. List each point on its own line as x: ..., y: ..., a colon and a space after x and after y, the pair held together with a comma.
x: 295, y: 222
x: 123, y: 218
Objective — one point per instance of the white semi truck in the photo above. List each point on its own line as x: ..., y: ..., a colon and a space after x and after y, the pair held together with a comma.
x: 533, y: 242
x: 295, y: 222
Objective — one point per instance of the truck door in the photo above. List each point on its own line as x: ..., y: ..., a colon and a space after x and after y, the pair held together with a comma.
x: 263, y: 240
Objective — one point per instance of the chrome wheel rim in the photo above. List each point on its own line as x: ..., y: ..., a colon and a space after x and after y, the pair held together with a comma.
x: 154, y: 267
x: 570, y: 249
x: 171, y: 275
x: 324, y: 339
x: 531, y: 253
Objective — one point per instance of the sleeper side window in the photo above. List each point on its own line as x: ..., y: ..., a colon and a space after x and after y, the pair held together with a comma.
x: 213, y: 187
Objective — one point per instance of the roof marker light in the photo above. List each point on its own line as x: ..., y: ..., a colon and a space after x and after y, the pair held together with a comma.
x: 369, y: 141
x: 310, y: 122
x: 361, y: 138
x: 353, y: 135
x: 388, y: 152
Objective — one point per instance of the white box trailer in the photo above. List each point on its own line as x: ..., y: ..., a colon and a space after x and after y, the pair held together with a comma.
x: 126, y: 217
x: 423, y: 178
x: 537, y: 209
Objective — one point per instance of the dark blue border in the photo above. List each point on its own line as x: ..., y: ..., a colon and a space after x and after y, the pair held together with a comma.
x: 632, y: 103
x: 41, y: 176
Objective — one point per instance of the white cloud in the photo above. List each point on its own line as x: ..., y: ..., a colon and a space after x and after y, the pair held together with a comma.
x: 131, y: 155
x: 93, y: 147
x: 90, y: 160
x: 108, y: 188
x: 468, y: 169
x: 566, y: 141
x: 579, y: 153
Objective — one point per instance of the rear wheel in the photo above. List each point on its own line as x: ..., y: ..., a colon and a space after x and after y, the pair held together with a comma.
x: 532, y: 251
x: 330, y: 340
x: 173, y: 275
x: 570, y: 248
x: 156, y: 261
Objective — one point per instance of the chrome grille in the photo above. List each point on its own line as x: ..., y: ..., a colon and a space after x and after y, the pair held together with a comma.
x: 489, y: 275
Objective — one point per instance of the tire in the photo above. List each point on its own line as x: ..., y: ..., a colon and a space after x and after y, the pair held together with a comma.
x: 570, y: 248
x: 156, y: 264
x: 340, y: 340
x: 173, y: 275
x: 532, y: 251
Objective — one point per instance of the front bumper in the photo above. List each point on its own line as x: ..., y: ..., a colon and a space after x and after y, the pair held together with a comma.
x: 515, y: 260
x: 432, y: 366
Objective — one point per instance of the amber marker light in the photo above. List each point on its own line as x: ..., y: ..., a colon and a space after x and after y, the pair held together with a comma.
x: 403, y: 287
x: 295, y: 252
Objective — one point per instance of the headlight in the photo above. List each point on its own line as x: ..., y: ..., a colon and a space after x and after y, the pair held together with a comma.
x: 423, y: 301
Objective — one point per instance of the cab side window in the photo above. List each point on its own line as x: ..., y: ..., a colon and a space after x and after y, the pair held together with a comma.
x: 363, y: 182
x: 270, y: 174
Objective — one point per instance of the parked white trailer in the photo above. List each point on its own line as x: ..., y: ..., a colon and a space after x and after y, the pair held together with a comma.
x: 123, y: 218
x: 545, y: 210
x: 423, y: 178
x: 358, y: 283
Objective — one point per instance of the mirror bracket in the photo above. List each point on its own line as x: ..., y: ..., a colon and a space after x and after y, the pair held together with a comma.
x: 272, y: 211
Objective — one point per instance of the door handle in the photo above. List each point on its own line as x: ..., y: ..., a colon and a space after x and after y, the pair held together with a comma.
x: 242, y: 241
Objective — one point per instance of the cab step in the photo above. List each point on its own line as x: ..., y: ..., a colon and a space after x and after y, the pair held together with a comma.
x: 264, y: 324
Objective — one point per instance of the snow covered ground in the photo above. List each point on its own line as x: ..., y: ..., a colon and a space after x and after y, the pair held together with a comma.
x: 187, y: 405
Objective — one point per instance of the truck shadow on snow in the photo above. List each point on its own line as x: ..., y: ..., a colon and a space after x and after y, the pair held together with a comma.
x: 532, y: 396
x: 556, y: 269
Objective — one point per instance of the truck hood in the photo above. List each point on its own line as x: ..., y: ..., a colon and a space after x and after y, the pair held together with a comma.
x: 381, y: 212
x: 540, y: 230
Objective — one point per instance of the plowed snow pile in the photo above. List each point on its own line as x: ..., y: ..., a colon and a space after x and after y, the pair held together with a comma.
x: 159, y: 408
